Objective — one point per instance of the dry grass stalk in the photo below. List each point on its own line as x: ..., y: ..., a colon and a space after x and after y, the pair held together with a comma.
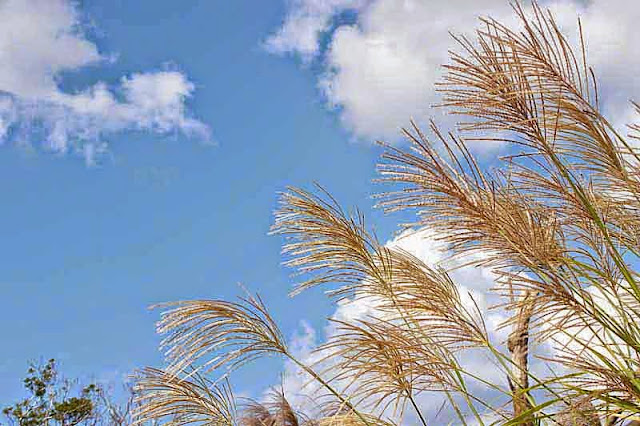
x: 518, y: 346
x: 276, y: 411
x: 240, y: 332
x: 558, y: 224
x: 180, y: 401
x: 580, y: 413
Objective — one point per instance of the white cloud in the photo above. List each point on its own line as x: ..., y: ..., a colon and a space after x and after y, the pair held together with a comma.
x: 305, y: 22
x: 473, y: 280
x: 611, y: 30
x: 39, y: 40
x: 380, y: 71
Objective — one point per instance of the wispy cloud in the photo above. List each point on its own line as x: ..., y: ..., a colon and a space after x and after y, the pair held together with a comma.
x: 40, y: 40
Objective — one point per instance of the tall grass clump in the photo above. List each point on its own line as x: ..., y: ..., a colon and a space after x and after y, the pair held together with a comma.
x: 557, y: 223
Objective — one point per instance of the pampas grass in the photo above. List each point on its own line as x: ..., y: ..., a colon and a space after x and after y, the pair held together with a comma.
x: 557, y: 223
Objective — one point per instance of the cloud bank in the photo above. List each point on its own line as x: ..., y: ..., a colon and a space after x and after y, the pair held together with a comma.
x: 474, y: 286
x: 40, y: 40
x: 380, y: 71
x: 471, y: 280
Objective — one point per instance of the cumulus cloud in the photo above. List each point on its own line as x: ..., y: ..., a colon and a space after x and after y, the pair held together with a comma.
x: 305, y: 22
x: 474, y: 285
x: 472, y: 281
x: 380, y: 71
x: 610, y: 29
x: 40, y: 40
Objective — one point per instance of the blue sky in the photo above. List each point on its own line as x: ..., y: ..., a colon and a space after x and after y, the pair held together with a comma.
x: 87, y: 249
x: 142, y: 155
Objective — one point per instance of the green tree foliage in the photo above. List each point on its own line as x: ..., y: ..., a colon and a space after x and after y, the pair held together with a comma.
x: 54, y: 400
x: 50, y: 400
